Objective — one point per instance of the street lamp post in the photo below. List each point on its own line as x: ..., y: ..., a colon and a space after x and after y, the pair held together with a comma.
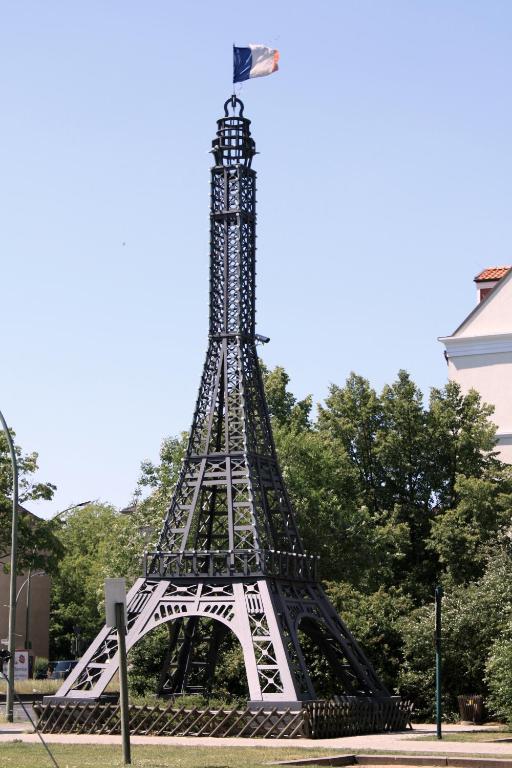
x: 439, y: 703
x: 11, y: 642
x: 27, y: 610
x: 9, y: 701
x: 28, y: 582
x: 31, y: 576
x: 68, y: 509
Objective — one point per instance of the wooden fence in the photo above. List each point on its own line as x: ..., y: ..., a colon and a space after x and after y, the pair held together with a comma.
x: 157, y: 720
x: 319, y: 719
x: 350, y: 716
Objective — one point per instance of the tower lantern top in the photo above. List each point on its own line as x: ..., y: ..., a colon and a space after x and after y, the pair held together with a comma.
x: 233, y: 145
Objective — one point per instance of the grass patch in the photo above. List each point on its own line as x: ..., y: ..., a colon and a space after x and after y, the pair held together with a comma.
x: 32, y: 686
x: 18, y: 755
x: 471, y: 736
x: 48, y: 686
x: 189, y: 702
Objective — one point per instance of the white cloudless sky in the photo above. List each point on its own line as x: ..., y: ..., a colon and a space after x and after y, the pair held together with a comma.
x: 384, y: 186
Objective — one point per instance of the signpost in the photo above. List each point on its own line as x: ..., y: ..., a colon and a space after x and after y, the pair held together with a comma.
x: 21, y: 665
x: 115, y: 610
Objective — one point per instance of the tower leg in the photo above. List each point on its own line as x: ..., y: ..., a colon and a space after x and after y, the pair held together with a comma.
x: 165, y: 678
x: 307, y: 604
x: 264, y: 614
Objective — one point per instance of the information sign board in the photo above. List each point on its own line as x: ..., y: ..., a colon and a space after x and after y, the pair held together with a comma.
x: 21, y: 665
x: 115, y: 592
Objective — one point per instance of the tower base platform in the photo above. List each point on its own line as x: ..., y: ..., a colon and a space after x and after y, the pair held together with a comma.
x: 346, y: 716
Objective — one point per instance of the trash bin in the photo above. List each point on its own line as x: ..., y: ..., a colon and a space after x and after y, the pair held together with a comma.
x: 471, y: 708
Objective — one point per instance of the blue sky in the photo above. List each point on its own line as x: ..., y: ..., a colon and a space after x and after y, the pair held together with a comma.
x: 383, y: 188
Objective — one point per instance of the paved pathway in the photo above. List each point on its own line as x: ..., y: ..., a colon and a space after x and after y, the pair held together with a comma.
x: 388, y: 742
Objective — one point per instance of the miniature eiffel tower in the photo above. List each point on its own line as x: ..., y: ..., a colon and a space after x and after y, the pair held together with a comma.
x: 229, y: 550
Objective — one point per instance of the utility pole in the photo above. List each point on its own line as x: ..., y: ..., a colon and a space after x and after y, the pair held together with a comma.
x: 115, y: 612
x: 9, y: 699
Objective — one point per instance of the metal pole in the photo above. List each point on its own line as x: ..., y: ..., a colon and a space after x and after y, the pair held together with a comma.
x: 20, y: 590
x: 9, y: 699
x: 123, y: 683
x: 439, y: 712
x: 27, y: 615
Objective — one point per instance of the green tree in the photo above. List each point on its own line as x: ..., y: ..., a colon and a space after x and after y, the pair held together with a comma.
x: 375, y: 620
x: 37, y: 545
x: 412, y: 465
x: 498, y: 676
x: 88, y: 536
x: 98, y: 542
x: 427, y: 484
x: 474, y: 617
x: 352, y: 415
x: 393, y: 495
x: 324, y: 487
x: 402, y: 446
x: 153, y: 496
x: 284, y: 408
x: 462, y: 537
x: 462, y: 440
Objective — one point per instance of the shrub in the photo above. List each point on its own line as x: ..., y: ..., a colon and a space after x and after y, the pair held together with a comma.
x: 229, y: 684
x: 40, y: 666
x: 498, y: 676
x: 474, y: 616
x: 145, y: 662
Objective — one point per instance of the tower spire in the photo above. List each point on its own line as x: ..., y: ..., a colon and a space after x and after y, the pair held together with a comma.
x: 230, y: 495
x: 232, y: 226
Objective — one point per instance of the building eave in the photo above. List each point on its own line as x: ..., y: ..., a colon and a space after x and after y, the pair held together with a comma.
x: 461, y: 346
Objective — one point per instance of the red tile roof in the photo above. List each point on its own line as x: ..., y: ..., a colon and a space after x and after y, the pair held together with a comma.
x: 492, y: 273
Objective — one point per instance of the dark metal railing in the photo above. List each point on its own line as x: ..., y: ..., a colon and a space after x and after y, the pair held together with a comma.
x: 227, y: 563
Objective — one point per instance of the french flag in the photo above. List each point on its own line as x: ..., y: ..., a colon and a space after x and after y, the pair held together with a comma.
x: 253, y: 61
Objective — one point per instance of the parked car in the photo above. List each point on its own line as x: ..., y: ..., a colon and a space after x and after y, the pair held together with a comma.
x: 62, y: 669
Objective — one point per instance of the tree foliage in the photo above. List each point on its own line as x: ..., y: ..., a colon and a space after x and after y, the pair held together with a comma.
x: 398, y: 496
x: 394, y: 493
x: 98, y: 543
x: 475, y: 615
x: 37, y: 545
x: 498, y: 671
x: 89, y: 537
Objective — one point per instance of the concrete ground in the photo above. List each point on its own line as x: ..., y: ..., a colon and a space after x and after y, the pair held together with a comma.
x: 403, y: 741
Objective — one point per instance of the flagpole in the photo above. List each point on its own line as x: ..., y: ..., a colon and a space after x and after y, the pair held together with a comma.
x: 233, y: 70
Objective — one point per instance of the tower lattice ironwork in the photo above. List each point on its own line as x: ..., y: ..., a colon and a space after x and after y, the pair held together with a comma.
x: 229, y: 550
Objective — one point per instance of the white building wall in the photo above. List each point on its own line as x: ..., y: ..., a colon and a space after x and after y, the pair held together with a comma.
x: 491, y: 375
x: 492, y: 316
x: 479, y: 357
